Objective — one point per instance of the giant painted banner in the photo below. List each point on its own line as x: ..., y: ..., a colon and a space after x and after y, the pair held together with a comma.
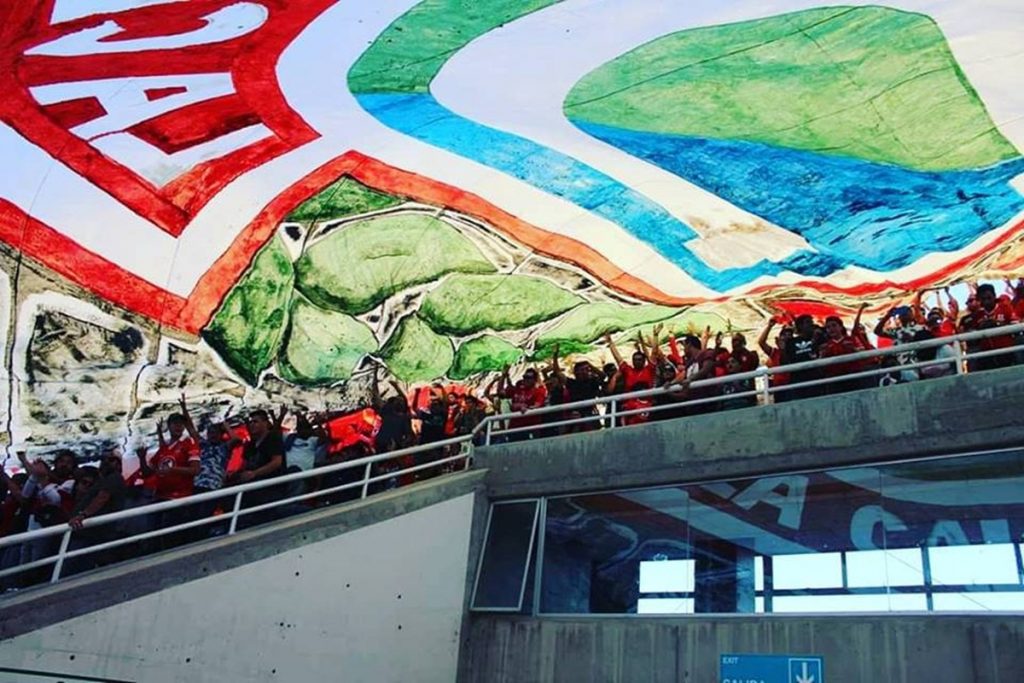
x: 256, y: 199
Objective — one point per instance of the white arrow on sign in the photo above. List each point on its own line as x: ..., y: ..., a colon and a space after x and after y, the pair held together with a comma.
x: 806, y: 677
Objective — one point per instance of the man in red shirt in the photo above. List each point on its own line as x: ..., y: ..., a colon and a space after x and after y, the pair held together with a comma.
x: 722, y: 356
x: 839, y: 343
x: 939, y: 325
x: 527, y: 394
x: 632, y: 404
x: 639, y: 372
x: 988, y: 313
x: 169, y: 471
x: 700, y: 365
x: 775, y: 353
x: 168, y: 475
x: 746, y: 358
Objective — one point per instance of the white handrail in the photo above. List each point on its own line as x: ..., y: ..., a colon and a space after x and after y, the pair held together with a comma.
x: 752, y: 393
x: 766, y: 372
x: 238, y: 511
x: 232, y: 490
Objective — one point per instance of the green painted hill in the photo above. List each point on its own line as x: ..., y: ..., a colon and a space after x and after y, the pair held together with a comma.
x: 248, y: 328
x: 871, y: 82
x: 355, y: 268
x: 323, y: 347
x: 415, y: 353
x: 467, y: 304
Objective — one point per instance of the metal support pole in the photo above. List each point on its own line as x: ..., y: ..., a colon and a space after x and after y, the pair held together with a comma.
x: 487, y: 433
x: 611, y: 413
x: 958, y: 350
x: 234, y: 514
x: 366, y: 480
x: 59, y: 564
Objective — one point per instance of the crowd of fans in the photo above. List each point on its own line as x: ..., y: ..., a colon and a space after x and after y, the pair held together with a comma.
x: 187, y: 459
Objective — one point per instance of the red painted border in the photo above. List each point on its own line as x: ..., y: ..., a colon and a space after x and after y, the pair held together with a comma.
x: 250, y: 59
x: 83, y: 267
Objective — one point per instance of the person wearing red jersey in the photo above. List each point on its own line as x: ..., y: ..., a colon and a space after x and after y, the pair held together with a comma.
x: 838, y: 342
x: 938, y: 324
x: 1017, y: 298
x: 637, y: 404
x: 675, y: 356
x: 988, y: 313
x: 775, y: 353
x: 938, y: 321
x: 526, y: 394
x: 1017, y: 301
x: 722, y: 356
x: 169, y: 473
x: 747, y: 359
x: 639, y: 371
x: 172, y: 467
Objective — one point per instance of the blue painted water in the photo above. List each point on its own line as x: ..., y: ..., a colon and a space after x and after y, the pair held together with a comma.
x: 873, y: 215
x: 852, y: 212
x: 422, y: 117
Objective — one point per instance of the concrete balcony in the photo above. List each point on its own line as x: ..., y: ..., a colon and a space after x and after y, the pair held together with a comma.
x: 980, y: 411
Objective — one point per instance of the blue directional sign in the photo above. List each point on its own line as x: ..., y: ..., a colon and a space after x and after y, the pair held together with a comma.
x: 751, y: 668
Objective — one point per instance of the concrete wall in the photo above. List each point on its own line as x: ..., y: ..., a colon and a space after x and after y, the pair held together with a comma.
x: 857, y: 649
x: 382, y: 602
x: 949, y: 415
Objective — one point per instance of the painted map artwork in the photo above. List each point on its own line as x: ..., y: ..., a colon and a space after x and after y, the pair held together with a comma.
x: 261, y: 201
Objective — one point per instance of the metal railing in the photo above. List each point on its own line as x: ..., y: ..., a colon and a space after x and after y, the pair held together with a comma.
x: 232, y: 513
x: 492, y: 427
x: 497, y: 426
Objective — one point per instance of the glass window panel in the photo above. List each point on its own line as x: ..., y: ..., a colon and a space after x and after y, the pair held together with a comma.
x: 978, y: 602
x: 876, y: 568
x: 506, y: 556
x: 836, y: 603
x: 759, y: 605
x: 809, y: 570
x: 908, y: 602
x: 597, y: 546
x: 666, y: 576
x: 960, y: 565
x: 665, y: 606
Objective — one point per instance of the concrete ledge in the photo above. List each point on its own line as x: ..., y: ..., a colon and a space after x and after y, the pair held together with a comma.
x: 35, y: 608
x: 856, y: 648
x: 949, y: 415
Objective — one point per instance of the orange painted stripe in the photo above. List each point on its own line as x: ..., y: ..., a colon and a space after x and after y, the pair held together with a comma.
x: 122, y: 288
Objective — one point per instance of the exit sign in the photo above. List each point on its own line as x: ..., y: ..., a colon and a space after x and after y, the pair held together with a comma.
x: 756, y: 668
